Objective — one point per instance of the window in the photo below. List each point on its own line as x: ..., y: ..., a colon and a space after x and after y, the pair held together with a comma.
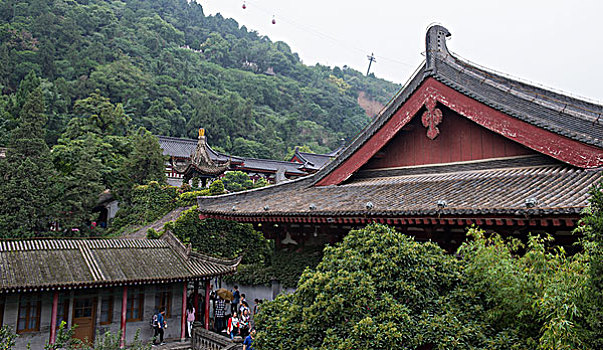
x: 63, y: 310
x: 163, y: 298
x: 106, y: 315
x: 135, y: 304
x: 29, y: 313
x: 83, y: 307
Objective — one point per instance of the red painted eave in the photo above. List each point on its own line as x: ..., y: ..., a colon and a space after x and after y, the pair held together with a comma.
x: 556, y: 146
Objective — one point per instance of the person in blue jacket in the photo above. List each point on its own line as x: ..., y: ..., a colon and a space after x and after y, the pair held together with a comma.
x: 248, y: 343
x: 159, y: 326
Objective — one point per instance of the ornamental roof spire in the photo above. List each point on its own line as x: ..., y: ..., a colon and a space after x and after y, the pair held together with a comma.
x: 435, y: 44
x: 200, y: 163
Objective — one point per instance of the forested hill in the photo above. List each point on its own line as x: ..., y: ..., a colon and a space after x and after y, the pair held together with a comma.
x: 174, y: 69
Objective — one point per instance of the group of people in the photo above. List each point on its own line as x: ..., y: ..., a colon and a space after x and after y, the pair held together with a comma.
x: 239, y: 321
x: 236, y: 318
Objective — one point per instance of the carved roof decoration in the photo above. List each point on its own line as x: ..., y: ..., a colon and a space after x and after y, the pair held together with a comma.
x: 200, y: 163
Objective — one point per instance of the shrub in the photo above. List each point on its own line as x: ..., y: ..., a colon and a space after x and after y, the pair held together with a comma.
x: 190, y: 198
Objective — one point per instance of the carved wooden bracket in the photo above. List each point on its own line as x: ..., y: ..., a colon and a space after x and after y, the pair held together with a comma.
x: 431, y: 118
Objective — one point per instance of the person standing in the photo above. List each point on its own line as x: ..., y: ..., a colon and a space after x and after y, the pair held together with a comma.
x: 233, y: 326
x: 220, y: 313
x: 248, y: 343
x: 236, y: 297
x: 244, y: 323
x: 159, y: 326
x: 190, y: 318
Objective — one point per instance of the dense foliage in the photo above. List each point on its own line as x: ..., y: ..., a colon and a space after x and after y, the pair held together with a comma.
x: 286, y: 267
x: 173, y: 69
x: 98, y: 151
x: 380, y: 289
x: 219, y: 238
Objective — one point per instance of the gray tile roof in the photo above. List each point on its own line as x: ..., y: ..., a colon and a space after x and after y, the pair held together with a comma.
x: 41, y: 264
x: 183, y: 148
x: 473, y: 188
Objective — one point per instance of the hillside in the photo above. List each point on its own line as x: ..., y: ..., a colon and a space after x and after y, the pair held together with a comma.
x: 174, y: 69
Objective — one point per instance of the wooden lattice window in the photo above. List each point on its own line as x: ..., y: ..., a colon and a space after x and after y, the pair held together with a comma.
x: 62, y: 310
x: 135, y: 304
x: 29, y: 313
x: 106, y: 310
x: 163, y: 298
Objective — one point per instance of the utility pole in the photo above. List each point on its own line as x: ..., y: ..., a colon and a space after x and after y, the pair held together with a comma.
x: 371, y: 59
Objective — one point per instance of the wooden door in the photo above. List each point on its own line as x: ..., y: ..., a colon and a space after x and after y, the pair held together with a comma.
x: 84, y: 316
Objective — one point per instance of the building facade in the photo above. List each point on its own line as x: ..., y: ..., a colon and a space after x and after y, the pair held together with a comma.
x: 458, y: 145
x: 101, y: 285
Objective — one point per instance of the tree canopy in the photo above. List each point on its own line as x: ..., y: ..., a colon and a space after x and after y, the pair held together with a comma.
x: 166, y: 66
x: 381, y: 289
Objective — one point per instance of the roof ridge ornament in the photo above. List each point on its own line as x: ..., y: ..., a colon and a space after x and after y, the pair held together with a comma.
x: 435, y: 43
x: 431, y: 118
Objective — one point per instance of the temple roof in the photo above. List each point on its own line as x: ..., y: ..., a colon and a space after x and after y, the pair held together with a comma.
x: 314, y: 161
x: 565, y: 132
x: 182, y: 148
x: 43, y: 264
x: 495, y: 187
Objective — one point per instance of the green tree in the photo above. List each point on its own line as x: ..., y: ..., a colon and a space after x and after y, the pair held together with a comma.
x: 216, y: 188
x: 146, y: 161
x: 80, y: 182
x: 235, y: 181
x: 28, y: 190
x: 592, y: 230
x: 375, y: 290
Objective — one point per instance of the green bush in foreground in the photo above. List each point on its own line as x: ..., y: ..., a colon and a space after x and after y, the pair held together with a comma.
x: 380, y: 289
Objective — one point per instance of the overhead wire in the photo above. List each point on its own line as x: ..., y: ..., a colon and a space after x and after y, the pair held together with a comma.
x: 323, y: 35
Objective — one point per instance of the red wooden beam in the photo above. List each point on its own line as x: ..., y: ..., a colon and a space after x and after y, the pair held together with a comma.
x: 498, y: 222
x: 556, y: 222
x: 124, y: 310
x: 569, y: 222
x: 538, y: 139
x: 183, y: 317
x: 509, y: 222
x: 206, y: 316
x: 53, y: 317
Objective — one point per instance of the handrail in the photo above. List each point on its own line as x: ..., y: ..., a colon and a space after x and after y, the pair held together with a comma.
x: 203, y: 339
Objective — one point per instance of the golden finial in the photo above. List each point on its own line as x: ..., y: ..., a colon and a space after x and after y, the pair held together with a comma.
x: 201, y: 132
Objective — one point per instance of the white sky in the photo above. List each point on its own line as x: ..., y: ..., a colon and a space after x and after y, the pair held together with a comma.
x: 555, y: 43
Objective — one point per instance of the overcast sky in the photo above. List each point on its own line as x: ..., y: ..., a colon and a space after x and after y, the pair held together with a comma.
x: 555, y: 43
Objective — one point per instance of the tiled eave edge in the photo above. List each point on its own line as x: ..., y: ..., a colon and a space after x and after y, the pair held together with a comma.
x: 568, y: 217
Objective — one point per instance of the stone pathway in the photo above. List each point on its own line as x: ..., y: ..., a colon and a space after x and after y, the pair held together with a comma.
x: 141, y: 233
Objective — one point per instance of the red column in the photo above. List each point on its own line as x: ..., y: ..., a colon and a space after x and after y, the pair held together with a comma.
x: 207, y: 304
x: 124, y: 309
x: 183, y: 323
x: 53, y: 317
x: 196, y: 300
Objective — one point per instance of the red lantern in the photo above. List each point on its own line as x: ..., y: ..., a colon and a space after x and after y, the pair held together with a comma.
x: 244, y: 6
x: 273, y: 20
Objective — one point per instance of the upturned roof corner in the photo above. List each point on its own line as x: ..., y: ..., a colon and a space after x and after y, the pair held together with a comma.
x: 435, y: 44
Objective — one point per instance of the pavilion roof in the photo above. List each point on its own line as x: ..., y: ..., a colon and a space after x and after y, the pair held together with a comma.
x: 182, y: 148
x: 45, y: 264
